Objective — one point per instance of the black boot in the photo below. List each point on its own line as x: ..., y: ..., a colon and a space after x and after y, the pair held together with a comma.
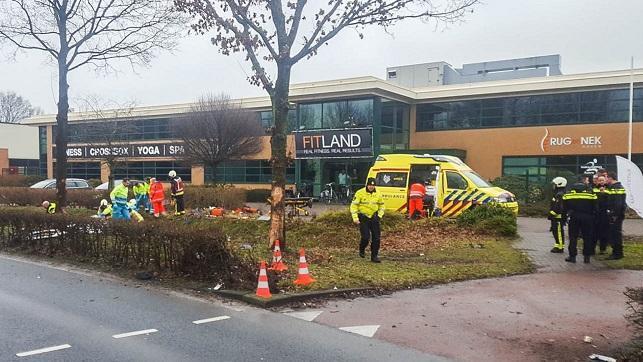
x: 557, y: 250
x: 375, y: 259
x: 362, y: 254
x: 586, y: 259
x: 570, y: 259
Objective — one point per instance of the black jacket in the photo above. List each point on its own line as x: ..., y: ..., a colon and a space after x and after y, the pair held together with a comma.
x: 616, y: 201
x: 579, y: 202
x: 556, y: 209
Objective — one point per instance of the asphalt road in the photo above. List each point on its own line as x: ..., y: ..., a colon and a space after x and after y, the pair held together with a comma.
x: 42, y: 306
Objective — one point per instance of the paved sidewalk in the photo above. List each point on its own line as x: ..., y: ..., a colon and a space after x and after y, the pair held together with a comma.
x: 536, y: 317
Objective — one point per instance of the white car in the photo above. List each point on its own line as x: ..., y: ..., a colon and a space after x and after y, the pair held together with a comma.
x: 71, y: 184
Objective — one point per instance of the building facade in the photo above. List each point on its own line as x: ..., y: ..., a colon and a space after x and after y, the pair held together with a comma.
x: 526, y: 126
x: 18, y: 150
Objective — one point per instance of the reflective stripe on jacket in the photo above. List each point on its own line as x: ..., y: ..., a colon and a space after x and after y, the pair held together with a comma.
x: 177, y: 186
x: 367, y: 204
x: 157, y: 193
x: 140, y: 189
x: 417, y: 191
x: 119, y: 195
x: 52, y: 208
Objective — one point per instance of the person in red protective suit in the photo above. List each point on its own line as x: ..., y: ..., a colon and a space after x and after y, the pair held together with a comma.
x: 157, y: 196
x: 417, y: 191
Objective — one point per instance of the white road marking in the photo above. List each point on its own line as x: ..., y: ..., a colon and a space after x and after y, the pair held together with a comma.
x: 307, y: 316
x: 43, y: 350
x: 366, y: 331
x: 136, y: 333
x: 201, y: 321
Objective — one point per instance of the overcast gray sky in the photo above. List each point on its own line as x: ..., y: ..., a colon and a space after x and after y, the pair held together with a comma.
x: 590, y: 35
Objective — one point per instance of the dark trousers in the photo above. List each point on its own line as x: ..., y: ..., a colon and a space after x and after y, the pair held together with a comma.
x: 558, y: 230
x: 616, y: 237
x: 369, y: 228
x: 601, y: 232
x: 581, y: 224
x: 180, y: 205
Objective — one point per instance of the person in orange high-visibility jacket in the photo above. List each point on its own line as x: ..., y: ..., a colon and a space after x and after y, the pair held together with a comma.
x: 417, y: 191
x: 157, y: 196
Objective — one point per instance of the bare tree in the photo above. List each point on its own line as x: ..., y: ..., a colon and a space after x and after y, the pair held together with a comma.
x: 109, y: 132
x: 276, y: 34
x: 14, y: 108
x: 77, y: 33
x: 217, y: 130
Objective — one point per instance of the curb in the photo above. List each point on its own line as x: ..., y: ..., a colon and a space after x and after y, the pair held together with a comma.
x: 282, y: 298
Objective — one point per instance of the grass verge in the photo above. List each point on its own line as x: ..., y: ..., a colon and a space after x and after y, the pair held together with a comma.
x: 632, y: 254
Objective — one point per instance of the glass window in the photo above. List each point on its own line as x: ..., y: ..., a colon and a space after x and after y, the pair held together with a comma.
x: 336, y: 114
x: 391, y: 179
x: 360, y: 112
x: 476, y: 179
x: 456, y: 181
x: 560, y: 108
x: 310, y: 116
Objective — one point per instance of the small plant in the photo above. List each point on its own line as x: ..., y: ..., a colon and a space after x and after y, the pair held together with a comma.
x: 490, y: 219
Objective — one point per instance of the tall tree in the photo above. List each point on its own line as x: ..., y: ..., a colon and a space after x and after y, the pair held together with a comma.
x: 14, y: 108
x: 216, y: 130
x: 78, y: 33
x: 109, y: 133
x: 277, y: 35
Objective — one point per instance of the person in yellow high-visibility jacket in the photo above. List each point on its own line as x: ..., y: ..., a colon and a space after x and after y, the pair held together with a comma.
x: 367, y: 209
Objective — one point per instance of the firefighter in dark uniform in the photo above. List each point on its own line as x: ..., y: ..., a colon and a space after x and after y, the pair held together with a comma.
x: 601, y: 223
x: 580, y: 206
x: 616, y: 213
x: 557, y: 214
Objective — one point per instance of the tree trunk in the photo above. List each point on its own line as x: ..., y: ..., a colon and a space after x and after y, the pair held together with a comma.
x: 61, y: 123
x: 279, y: 100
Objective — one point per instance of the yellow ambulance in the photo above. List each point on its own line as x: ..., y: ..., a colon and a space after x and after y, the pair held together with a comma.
x: 452, y: 187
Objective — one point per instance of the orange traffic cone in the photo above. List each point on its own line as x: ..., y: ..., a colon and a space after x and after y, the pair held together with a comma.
x: 277, y: 262
x: 303, y: 277
x: 263, y: 290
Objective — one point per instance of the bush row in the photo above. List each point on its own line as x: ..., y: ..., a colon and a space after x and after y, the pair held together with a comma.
x: 19, y: 180
x: 25, y: 196
x: 196, y: 250
x: 195, y: 196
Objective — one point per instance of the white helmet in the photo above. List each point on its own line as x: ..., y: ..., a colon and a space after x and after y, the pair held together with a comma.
x: 103, y: 202
x: 559, y: 181
x: 131, y: 203
x: 172, y: 174
x: 45, y: 204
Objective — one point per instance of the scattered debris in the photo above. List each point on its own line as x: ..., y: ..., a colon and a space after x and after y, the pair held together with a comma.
x: 598, y: 357
x: 588, y: 339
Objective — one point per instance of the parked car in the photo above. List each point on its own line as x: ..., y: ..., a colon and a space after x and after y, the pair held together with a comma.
x: 72, y: 184
x: 103, y: 186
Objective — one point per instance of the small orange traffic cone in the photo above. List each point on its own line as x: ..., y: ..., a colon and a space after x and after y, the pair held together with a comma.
x: 303, y: 277
x: 263, y: 290
x: 277, y: 262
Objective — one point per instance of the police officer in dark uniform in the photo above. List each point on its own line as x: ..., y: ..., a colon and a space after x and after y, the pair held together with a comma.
x: 616, y: 213
x: 601, y: 222
x: 557, y: 214
x: 580, y: 205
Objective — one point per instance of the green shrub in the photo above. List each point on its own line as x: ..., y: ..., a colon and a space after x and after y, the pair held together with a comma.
x: 258, y: 195
x: 25, y: 196
x: 195, y: 250
x: 490, y: 219
x: 633, y: 350
x: 19, y: 180
x: 226, y: 196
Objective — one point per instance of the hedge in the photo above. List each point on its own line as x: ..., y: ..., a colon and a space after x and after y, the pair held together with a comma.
x: 196, y: 250
x: 195, y: 196
x: 19, y: 180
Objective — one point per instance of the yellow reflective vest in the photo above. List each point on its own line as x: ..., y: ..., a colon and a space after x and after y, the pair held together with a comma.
x: 367, y: 203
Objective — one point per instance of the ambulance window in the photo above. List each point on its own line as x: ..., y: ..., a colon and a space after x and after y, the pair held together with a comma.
x: 456, y: 181
x: 391, y: 179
